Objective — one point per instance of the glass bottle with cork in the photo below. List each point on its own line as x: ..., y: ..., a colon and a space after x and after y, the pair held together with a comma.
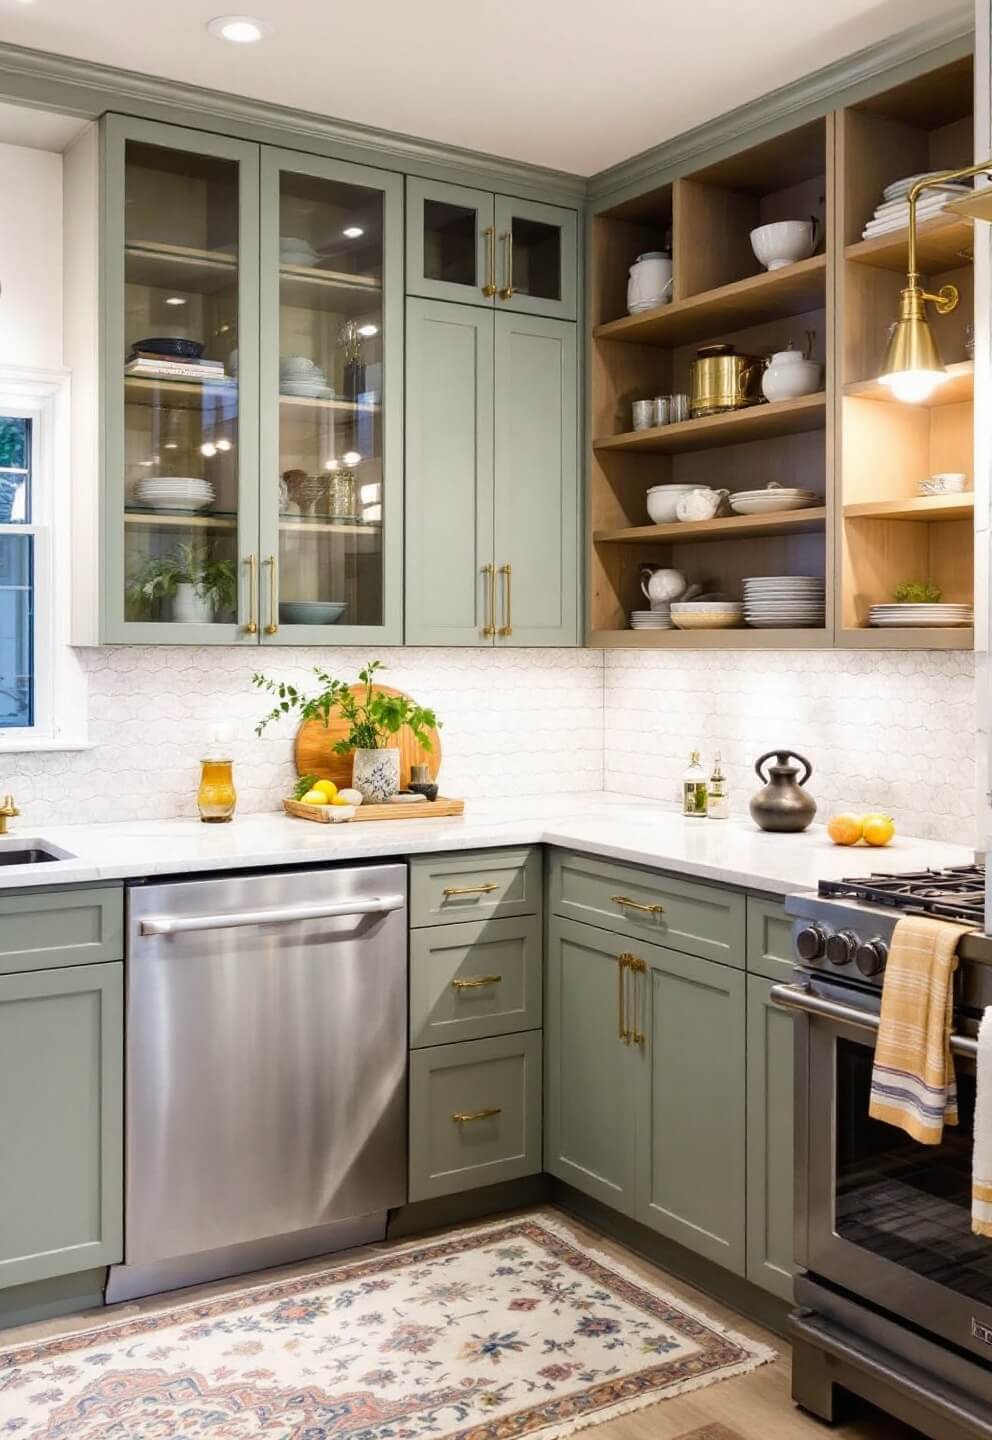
x: 694, y: 788
x: 718, y: 798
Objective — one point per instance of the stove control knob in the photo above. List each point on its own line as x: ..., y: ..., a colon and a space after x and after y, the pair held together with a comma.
x: 871, y: 957
x: 841, y: 947
x: 811, y: 942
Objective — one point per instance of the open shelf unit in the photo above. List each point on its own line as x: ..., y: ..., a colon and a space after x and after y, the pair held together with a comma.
x: 887, y: 532
x: 853, y: 443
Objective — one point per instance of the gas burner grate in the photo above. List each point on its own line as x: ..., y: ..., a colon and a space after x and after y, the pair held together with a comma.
x: 954, y: 894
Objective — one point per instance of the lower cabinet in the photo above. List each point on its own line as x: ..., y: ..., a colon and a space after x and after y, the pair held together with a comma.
x: 61, y: 1123
x: 770, y: 1177
x: 475, y: 1114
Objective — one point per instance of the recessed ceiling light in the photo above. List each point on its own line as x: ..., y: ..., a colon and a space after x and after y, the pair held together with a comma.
x: 174, y: 300
x: 241, y: 29
x: 354, y: 231
x: 367, y: 331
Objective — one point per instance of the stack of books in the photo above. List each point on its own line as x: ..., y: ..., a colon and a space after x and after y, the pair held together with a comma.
x: 148, y: 366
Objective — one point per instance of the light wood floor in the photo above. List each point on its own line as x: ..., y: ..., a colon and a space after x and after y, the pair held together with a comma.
x: 756, y: 1406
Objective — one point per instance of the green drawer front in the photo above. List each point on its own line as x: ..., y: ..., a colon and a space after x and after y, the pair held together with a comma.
x: 39, y: 930
x: 471, y: 981
x: 501, y: 1076
x: 769, y: 940
x: 479, y: 885
x: 697, y: 919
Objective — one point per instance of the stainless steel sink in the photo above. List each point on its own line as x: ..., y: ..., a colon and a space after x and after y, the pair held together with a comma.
x: 29, y: 850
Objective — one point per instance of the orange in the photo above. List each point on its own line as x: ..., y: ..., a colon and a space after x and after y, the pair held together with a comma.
x: 879, y: 829
x: 844, y: 829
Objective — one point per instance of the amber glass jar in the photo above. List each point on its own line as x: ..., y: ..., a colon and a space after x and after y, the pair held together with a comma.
x: 216, y: 796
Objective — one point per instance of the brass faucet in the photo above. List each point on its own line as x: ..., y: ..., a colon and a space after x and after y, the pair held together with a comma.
x: 7, y: 812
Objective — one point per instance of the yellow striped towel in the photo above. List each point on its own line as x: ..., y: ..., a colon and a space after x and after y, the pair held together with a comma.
x: 912, y: 1083
x: 981, y: 1169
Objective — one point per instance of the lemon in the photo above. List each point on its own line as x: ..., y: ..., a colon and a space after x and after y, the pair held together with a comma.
x: 327, y: 787
x: 315, y: 797
x: 879, y: 829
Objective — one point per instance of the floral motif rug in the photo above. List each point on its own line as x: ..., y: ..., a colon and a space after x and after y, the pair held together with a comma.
x: 492, y: 1333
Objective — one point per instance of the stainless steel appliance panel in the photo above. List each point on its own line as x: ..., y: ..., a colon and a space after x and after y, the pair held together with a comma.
x: 266, y: 1056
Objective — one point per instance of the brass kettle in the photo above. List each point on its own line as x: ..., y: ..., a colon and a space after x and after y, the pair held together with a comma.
x: 720, y: 379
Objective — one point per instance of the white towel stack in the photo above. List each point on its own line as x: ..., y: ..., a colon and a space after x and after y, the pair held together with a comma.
x: 892, y: 211
x: 981, y: 1169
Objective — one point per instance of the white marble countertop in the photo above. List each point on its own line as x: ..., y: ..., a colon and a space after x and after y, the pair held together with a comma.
x: 732, y: 852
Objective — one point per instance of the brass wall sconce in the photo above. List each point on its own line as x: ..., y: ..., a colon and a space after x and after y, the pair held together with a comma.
x: 912, y: 368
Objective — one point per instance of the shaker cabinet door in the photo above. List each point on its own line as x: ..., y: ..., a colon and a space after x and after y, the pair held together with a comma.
x: 589, y: 1139
x: 331, y: 505
x: 450, y: 242
x: 537, y: 489
x: 450, y: 581
x: 536, y: 258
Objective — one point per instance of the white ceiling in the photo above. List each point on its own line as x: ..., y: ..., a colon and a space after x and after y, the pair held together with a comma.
x: 575, y: 84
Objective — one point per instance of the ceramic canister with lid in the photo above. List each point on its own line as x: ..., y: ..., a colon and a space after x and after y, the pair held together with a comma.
x: 650, y: 281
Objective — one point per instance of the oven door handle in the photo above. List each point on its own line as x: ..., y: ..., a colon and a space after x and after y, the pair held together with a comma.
x: 800, y: 997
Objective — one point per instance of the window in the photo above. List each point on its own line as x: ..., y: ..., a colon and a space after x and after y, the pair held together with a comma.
x: 42, y: 697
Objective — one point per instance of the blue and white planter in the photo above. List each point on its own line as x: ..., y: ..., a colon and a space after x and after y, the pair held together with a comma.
x: 376, y: 773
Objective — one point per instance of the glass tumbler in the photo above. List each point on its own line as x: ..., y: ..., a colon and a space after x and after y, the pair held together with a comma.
x: 643, y: 414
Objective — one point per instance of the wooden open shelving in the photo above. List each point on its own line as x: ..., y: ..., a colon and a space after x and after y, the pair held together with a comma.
x: 733, y: 427
x: 729, y: 527
x: 959, y: 386
x: 742, y: 639
x: 943, y: 243
x: 916, y: 507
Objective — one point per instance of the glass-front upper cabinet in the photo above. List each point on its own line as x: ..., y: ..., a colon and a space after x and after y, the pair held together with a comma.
x: 485, y: 249
x: 181, y: 380
x: 331, y: 386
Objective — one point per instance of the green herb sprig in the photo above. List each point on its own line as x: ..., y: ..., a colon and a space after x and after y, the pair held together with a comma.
x: 372, y: 718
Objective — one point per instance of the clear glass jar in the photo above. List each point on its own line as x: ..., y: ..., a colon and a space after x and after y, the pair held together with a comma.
x: 216, y: 797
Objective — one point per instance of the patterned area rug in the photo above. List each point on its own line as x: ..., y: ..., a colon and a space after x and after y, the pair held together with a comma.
x: 492, y: 1333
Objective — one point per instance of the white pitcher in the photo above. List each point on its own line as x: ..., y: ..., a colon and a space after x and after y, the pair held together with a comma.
x: 650, y: 281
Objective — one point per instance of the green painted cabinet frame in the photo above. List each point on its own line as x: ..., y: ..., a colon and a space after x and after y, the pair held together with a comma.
x: 62, y: 1123
x: 770, y: 1167
x: 258, y: 373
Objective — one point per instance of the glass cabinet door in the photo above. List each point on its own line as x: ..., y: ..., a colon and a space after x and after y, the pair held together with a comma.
x: 451, y: 242
x: 535, y: 258
x: 331, y: 438
x: 182, y: 384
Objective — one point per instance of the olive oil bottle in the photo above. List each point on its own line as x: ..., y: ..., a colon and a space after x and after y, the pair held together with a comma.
x: 694, y: 789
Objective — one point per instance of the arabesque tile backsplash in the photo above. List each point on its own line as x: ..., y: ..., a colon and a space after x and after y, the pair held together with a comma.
x: 892, y: 731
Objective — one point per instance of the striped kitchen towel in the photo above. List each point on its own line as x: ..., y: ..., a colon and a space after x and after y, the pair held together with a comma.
x: 981, y: 1168
x: 912, y: 1083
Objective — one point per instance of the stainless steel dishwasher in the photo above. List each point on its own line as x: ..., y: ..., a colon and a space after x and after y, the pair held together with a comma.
x: 266, y: 1071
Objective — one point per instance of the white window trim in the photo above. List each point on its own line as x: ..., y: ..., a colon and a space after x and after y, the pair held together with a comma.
x: 60, y: 710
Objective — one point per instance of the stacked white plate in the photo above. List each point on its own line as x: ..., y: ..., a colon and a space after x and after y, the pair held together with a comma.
x: 652, y: 619
x: 899, y: 189
x: 787, y: 602
x: 899, y: 617
x: 298, y: 375
x: 770, y: 501
x: 293, y: 250
x: 174, y: 492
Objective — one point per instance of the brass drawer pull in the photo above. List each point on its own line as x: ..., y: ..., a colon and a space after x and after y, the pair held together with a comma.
x: 476, y: 983
x: 485, y: 889
x: 629, y: 992
x: 507, y: 292
x: 636, y: 905
x: 465, y: 1117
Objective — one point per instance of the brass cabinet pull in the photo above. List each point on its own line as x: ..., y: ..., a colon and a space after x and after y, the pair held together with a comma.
x: 624, y: 1033
x: 477, y: 983
x: 636, y: 905
x: 252, y: 627
x: 465, y: 1117
x: 485, y: 889
x: 489, y: 629
x: 273, y: 625
x: 490, y: 286
x: 636, y: 967
x: 507, y: 292
x: 507, y: 629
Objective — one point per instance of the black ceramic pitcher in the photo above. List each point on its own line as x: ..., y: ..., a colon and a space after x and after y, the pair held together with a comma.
x: 783, y: 804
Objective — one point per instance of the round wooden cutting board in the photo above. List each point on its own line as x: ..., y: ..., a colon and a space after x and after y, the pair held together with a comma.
x: 315, y: 756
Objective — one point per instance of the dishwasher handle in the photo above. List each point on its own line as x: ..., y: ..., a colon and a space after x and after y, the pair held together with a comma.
x: 183, y: 924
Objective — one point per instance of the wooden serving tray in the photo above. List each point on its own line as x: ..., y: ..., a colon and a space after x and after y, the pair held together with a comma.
x: 415, y: 810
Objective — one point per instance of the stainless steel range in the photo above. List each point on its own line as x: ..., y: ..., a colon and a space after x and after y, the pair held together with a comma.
x: 894, y: 1293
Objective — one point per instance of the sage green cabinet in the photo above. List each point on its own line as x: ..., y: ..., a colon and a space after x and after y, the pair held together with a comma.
x: 691, y: 1138
x: 476, y: 248
x: 61, y: 1122
x: 492, y: 478
x: 590, y: 1076
x: 770, y: 1169
x: 471, y: 981
x: 46, y: 929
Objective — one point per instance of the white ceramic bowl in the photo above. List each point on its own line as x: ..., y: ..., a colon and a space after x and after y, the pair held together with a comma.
x: 783, y: 243
x: 663, y: 502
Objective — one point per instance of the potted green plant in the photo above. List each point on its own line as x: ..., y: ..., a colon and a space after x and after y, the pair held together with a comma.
x: 199, y: 586
x: 372, y: 717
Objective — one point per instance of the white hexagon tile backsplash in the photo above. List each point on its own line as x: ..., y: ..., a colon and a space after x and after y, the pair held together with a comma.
x: 890, y: 730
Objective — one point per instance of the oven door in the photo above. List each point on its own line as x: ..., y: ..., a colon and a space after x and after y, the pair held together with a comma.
x: 878, y: 1214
